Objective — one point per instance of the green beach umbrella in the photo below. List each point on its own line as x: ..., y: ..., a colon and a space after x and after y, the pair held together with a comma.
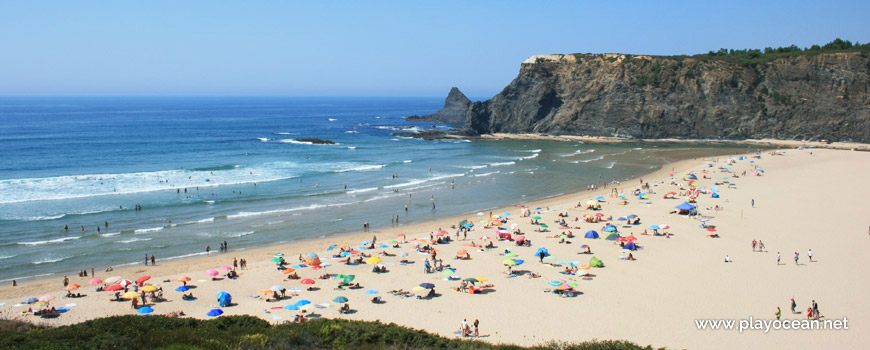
x: 536, y: 218
x: 340, y: 300
x: 275, y: 260
x: 510, y: 255
x: 349, y: 278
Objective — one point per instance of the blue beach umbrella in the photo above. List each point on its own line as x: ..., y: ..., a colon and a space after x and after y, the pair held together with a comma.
x: 427, y: 285
x: 555, y: 283
x: 215, y: 312
x: 331, y: 247
x: 311, y: 255
x: 632, y: 216
x: 599, y: 198
x: 30, y: 300
x: 145, y: 310
x: 653, y: 227
x: 302, y: 302
x: 340, y: 300
x: 361, y: 248
x: 182, y: 288
x: 383, y: 246
x: 344, y: 253
x: 468, y: 225
x: 506, y: 214
x: 622, y: 218
x: 366, y: 242
x: 371, y: 291
x: 610, y: 228
x: 291, y: 307
x: 63, y: 309
x: 279, y: 255
x: 518, y: 261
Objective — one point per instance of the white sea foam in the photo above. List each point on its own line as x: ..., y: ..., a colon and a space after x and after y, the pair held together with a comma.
x: 58, y: 240
x: 263, y: 139
x: 284, y: 133
x: 351, y: 147
x: 241, y: 234
x: 502, y: 163
x: 6, y: 257
x: 46, y: 260
x: 361, y: 190
x: 593, y: 159
x: 332, y: 119
x: 110, y: 234
x: 204, y: 221
x: 271, y: 212
x: 350, y: 132
x: 406, y: 161
x: 530, y: 150
x: 487, y: 174
x: 133, y: 240
x: 147, y: 230
x: 472, y: 167
x: 360, y: 168
x: 578, y: 152
x: 528, y: 157
x: 610, y: 166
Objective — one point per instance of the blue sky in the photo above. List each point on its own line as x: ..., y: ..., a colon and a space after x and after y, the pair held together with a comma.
x: 368, y: 48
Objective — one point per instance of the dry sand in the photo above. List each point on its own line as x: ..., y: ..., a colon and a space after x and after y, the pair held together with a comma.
x: 802, y: 202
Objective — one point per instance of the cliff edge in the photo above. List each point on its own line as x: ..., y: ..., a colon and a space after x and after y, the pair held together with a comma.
x: 454, y: 111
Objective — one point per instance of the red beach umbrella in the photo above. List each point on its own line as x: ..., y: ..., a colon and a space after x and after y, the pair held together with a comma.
x: 114, y: 287
x: 142, y: 279
x: 307, y: 281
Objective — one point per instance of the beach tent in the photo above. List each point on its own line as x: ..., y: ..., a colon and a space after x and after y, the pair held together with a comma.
x: 595, y: 262
x: 224, y: 299
x: 630, y: 246
x: 685, y: 206
x: 542, y: 250
x: 715, y: 195
x: 609, y: 228
x: 612, y: 237
x: 591, y: 234
x: 691, y: 177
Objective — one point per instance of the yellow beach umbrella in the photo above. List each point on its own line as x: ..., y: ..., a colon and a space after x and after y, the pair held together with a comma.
x: 373, y: 260
x: 149, y: 289
x: 418, y: 288
x: 131, y: 295
x: 183, y: 279
x: 509, y: 263
x: 481, y: 279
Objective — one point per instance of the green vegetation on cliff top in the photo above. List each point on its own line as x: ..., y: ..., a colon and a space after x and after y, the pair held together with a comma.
x: 245, y: 332
x: 756, y: 56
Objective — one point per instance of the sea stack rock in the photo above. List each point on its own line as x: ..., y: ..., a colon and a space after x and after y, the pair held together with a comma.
x: 455, y: 108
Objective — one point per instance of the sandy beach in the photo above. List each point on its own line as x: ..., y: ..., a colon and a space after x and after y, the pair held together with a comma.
x: 801, y: 201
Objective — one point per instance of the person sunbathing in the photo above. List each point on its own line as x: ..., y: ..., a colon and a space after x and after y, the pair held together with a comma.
x: 630, y: 257
x: 376, y: 300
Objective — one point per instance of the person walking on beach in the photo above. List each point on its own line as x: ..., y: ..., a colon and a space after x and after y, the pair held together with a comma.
x: 146, y: 259
x: 207, y: 250
x: 810, y: 255
x: 476, y: 323
x: 816, y: 309
x: 754, y: 243
x: 152, y: 260
x: 778, y: 256
x: 796, y: 257
x: 753, y: 203
x: 778, y: 313
x: 235, y: 263
x: 760, y: 246
x: 464, y: 328
x: 65, y: 281
x: 793, y: 306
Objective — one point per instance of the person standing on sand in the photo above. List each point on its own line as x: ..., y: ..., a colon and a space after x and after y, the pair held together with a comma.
x: 778, y: 313
x: 146, y: 259
x: 65, y: 281
x: 760, y: 246
x: 793, y: 306
x: 207, y: 250
x: 476, y: 323
x: 810, y: 255
x: 464, y: 328
x: 796, y: 257
x: 778, y: 256
x: 235, y: 263
x: 754, y: 243
x: 153, y: 263
x: 753, y: 203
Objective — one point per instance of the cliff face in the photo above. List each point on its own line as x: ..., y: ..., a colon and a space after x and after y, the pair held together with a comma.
x: 818, y: 97
x: 454, y: 111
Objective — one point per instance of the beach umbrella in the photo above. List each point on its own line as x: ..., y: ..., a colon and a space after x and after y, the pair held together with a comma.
x: 316, y: 267
x: 183, y: 279
x: 131, y: 295
x: 279, y: 255
x: 520, y: 262
x: 462, y: 252
x: 710, y: 229
x: 302, y: 302
x: 563, y: 287
x: 212, y: 272
x: 276, y: 260
x: 276, y: 288
x: 215, y: 312
x: 340, y: 300
x: 506, y: 214
x: 47, y: 297
x: 472, y: 280
x: 125, y: 282
x: 311, y: 255
x: 664, y: 226
x: 609, y: 228
x: 114, y: 287
x: 331, y: 247
x: 622, y: 218
x: 520, y: 238
x: 266, y: 291
x: 226, y: 268
x: 448, y: 272
x: 573, y: 284
x: 418, y: 288
x: 555, y: 283
x: 373, y: 260
x: 509, y: 263
x: 481, y: 279
x: 95, y: 281
x: 113, y: 279
x: 142, y: 279
x: 307, y: 281
x: 149, y: 289
x: 371, y: 291
x: 182, y: 289
x: 427, y: 285
x: 653, y: 227
x: 599, y: 215
x: 393, y: 241
x: 599, y: 198
x: 510, y: 255
x: 291, y: 307
x: 536, y: 218
x: 485, y: 237
x: 544, y: 225
x: 348, y: 278
x: 30, y: 300
x: 288, y: 271
x: 632, y: 216
x: 630, y: 239
x: 72, y: 286
x: 145, y: 310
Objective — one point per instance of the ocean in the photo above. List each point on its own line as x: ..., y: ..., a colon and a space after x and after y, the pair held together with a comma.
x: 205, y: 170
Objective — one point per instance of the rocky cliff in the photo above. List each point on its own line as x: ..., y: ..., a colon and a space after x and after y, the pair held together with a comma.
x: 454, y: 111
x: 808, y: 97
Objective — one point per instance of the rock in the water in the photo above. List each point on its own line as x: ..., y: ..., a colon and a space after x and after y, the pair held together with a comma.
x: 455, y: 108
x: 317, y: 141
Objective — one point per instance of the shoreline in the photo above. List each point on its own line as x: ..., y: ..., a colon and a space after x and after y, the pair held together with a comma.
x: 347, y: 235
x: 350, y: 233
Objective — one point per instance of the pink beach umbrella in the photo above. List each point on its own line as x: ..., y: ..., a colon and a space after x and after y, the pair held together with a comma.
x: 95, y: 281
x: 227, y: 268
x: 47, y: 297
x: 212, y: 272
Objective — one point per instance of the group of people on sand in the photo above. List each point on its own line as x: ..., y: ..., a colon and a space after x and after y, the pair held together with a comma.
x: 466, y: 330
x: 812, y: 311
